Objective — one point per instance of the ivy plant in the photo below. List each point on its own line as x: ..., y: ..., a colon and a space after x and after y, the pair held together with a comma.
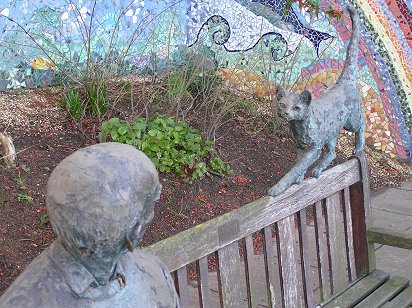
x: 172, y: 146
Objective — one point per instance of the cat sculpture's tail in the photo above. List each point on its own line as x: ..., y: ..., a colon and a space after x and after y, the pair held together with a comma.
x: 350, y: 68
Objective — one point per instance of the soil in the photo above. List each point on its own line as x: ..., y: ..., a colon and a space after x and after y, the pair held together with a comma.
x: 44, y: 134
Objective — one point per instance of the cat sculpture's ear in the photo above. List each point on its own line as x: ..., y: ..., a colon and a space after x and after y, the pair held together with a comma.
x: 306, y: 97
x: 280, y: 92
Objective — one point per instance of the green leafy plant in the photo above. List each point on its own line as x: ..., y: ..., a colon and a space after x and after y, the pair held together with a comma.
x: 199, y: 170
x: 72, y: 103
x: 25, y: 168
x: 177, y: 84
x: 126, y: 89
x: 20, y: 181
x: 192, y: 81
x: 219, y: 165
x: 246, y: 105
x: 97, y: 101
x: 172, y: 146
x: 25, y: 198
x: 44, y: 220
x: 204, y: 85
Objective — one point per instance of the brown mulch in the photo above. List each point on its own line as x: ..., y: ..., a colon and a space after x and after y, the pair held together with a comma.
x: 43, y: 135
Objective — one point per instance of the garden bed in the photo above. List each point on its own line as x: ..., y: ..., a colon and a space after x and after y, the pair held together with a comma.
x: 44, y: 134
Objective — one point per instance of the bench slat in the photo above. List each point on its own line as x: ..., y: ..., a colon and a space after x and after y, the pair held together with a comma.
x: 389, y: 237
x: 337, y: 243
x: 230, y: 277
x: 204, y: 239
x: 365, y: 260
x: 360, y: 244
x: 385, y: 293
x: 349, y: 235
x: 323, y: 255
x: 304, y: 255
x: 273, y: 274
x: 203, y: 281
x: 403, y: 299
x: 250, y: 268
x: 291, y: 267
x: 359, y: 290
x: 183, y: 286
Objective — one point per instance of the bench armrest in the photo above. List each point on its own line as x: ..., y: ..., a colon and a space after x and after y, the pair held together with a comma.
x: 389, y: 237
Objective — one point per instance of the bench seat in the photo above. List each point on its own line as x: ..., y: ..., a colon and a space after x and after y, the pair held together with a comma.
x: 375, y: 290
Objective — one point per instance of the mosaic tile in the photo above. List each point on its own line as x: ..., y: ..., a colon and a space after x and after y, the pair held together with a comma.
x: 398, y: 58
x: 397, y: 96
x: 234, y: 41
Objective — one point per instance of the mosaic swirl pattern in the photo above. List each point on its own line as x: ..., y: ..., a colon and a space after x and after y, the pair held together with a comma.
x: 384, y: 59
x: 252, y: 43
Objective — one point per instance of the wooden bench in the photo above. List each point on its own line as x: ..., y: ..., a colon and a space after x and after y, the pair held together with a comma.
x: 307, y: 247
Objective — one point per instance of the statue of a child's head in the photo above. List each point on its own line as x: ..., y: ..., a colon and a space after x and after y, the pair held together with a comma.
x: 100, y: 199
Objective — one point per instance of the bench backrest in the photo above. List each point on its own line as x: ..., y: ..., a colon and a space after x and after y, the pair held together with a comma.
x: 309, y: 243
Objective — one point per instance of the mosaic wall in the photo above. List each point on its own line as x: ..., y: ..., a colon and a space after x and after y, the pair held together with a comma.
x: 252, y: 43
x: 41, y: 39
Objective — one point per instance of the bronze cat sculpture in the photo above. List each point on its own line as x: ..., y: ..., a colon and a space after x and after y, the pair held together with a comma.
x: 316, y: 124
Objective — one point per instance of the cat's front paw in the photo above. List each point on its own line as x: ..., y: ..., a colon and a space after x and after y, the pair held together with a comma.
x: 316, y: 172
x: 276, y: 190
x: 300, y: 179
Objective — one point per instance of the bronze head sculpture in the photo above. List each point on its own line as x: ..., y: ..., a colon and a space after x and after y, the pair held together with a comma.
x: 100, y: 201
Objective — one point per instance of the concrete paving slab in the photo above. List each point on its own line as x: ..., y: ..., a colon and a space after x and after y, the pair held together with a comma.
x: 390, y: 220
x: 393, y: 200
x: 407, y: 186
x: 396, y: 261
x: 392, y: 209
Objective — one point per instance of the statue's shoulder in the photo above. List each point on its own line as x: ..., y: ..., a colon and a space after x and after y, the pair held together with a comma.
x: 145, y: 265
x: 148, y: 272
x: 34, y: 287
x: 143, y: 257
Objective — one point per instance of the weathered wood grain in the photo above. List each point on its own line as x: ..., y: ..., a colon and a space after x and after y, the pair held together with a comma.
x: 364, y: 173
x: 229, y: 275
x: 250, y: 270
x: 290, y: 261
x: 203, y: 282
x: 402, y: 300
x: 272, y: 269
x: 389, y: 237
x: 183, y: 286
x: 337, y: 243
x: 360, y: 290
x: 201, y: 240
x: 341, y: 243
x: 385, y: 293
x: 304, y: 256
x: 349, y: 234
x: 360, y: 243
x: 322, y: 249
x: 365, y: 260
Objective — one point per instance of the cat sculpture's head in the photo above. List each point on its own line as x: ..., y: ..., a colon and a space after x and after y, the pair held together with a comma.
x: 293, y: 106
